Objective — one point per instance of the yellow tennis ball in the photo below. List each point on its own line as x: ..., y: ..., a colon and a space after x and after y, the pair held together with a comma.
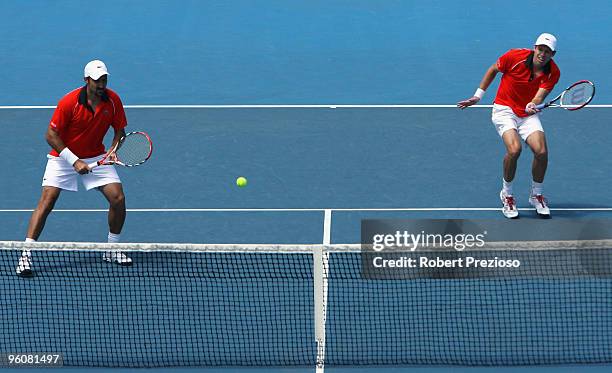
x: 241, y: 181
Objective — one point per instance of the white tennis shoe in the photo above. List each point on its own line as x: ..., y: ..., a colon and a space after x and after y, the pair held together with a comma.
x: 541, y: 205
x: 509, y: 205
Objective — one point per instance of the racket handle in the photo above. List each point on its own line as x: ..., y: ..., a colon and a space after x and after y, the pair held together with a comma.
x: 541, y: 106
x: 93, y: 165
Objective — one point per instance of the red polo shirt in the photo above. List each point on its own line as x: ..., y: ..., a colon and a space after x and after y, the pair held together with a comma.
x: 517, y: 87
x: 82, y: 129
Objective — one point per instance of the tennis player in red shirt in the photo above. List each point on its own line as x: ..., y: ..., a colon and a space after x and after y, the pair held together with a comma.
x: 528, y: 77
x: 76, y: 133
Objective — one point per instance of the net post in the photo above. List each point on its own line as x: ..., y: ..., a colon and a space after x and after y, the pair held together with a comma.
x: 320, y: 260
x: 320, y: 263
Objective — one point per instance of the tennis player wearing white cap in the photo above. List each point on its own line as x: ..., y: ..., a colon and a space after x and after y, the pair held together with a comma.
x: 76, y: 133
x: 528, y: 77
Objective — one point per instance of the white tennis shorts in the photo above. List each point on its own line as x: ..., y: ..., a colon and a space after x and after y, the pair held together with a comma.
x: 504, y: 119
x: 62, y: 175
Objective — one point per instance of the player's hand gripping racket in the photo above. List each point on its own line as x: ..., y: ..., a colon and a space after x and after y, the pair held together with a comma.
x: 133, y: 149
x: 575, y: 97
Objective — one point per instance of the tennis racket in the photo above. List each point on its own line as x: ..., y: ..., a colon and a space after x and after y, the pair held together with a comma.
x: 575, y: 97
x: 133, y: 149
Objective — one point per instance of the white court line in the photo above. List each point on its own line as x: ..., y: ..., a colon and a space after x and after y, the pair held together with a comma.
x: 391, y: 209
x: 327, y: 227
x: 321, y: 106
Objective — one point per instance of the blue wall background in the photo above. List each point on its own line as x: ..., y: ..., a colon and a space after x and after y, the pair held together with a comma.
x: 290, y: 52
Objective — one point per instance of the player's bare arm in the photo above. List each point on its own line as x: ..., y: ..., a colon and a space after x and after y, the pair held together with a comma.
x: 54, y: 140
x: 486, y: 81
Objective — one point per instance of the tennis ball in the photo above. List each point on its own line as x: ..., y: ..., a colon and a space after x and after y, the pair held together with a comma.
x: 241, y: 181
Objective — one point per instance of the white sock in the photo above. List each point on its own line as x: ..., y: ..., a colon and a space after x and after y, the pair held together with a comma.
x: 536, y: 188
x: 507, y: 187
x: 113, y: 238
x: 27, y: 252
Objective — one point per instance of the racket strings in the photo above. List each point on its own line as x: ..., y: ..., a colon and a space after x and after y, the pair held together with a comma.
x: 577, y: 95
x: 134, y: 150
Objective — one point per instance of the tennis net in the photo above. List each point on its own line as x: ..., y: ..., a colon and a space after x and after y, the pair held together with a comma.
x: 261, y: 305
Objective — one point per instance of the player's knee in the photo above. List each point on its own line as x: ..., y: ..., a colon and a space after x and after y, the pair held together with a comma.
x: 47, y: 201
x: 514, y: 151
x: 541, y: 154
x: 117, y: 200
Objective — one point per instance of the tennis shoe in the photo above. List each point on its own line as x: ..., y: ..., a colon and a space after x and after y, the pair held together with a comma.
x: 117, y: 258
x: 24, y: 266
x: 541, y: 205
x: 509, y: 205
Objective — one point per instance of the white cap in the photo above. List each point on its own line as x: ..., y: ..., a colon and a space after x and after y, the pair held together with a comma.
x: 95, y: 69
x: 547, y: 39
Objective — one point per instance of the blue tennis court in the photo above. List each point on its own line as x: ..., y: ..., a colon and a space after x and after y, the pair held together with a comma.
x: 335, y: 112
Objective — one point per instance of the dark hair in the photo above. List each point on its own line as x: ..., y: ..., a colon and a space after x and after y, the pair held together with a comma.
x: 529, y: 64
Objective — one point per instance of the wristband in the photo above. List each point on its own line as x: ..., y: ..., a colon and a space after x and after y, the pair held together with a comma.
x: 479, y: 93
x: 68, y: 156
